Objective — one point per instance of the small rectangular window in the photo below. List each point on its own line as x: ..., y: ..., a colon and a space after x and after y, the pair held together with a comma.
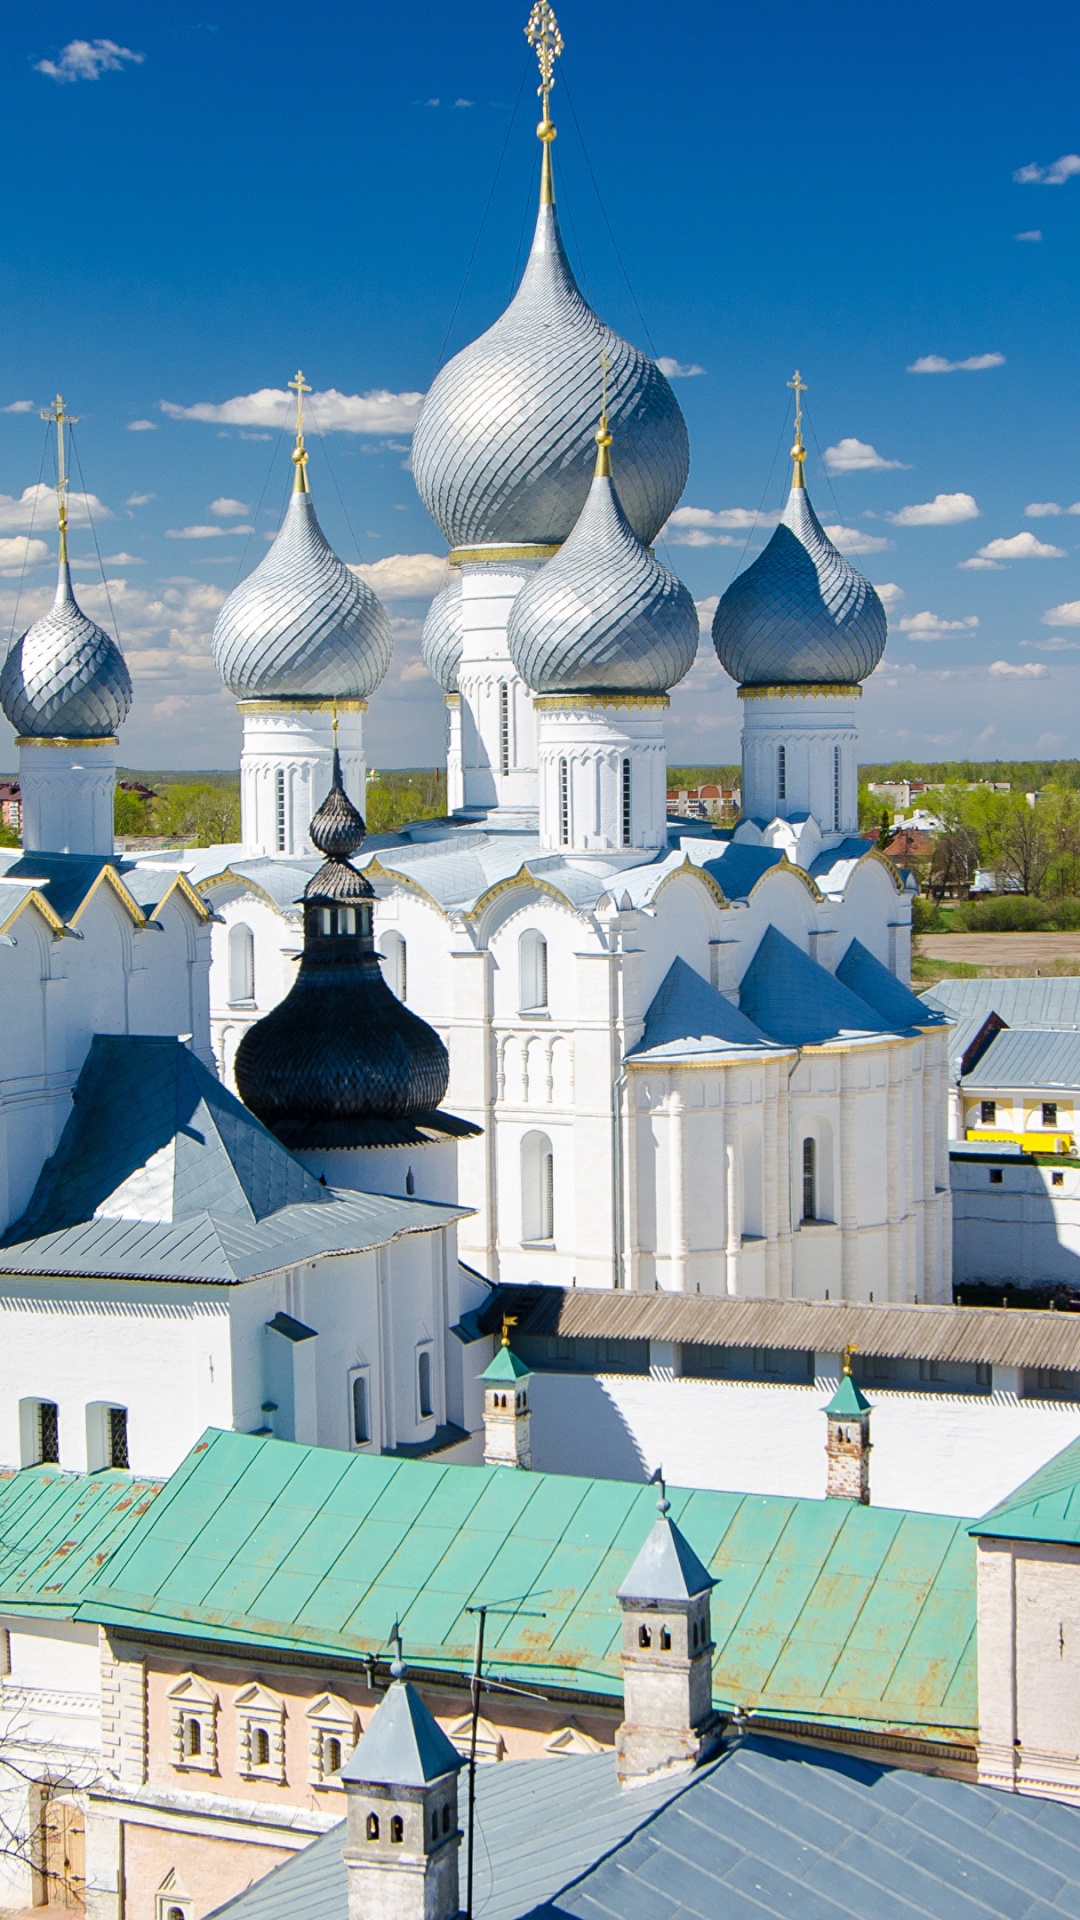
x: 781, y: 774
x: 361, y: 1426
x: 564, y: 804
x: 118, y: 1437
x: 996, y: 1177
x: 1057, y: 1179
x: 48, y: 1433
x: 627, y: 821
x: 1049, y: 1113
x: 504, y: 727
x: 279, y: 808
x: 988, y: 1112
x: 836, y: 789
x: 809, y: 1178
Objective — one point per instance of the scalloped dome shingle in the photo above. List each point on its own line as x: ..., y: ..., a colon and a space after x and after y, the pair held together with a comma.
x: 302, y: 624
x: 66, y: 678
x: 503, y: 449
x: 802, y: 613
x: 603, y: 615
x: 441, y: 639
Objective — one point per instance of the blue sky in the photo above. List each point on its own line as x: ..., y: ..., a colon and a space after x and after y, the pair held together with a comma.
x: 201, y: 198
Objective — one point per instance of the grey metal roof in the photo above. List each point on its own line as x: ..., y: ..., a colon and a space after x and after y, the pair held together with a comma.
x: 161, y: 1173
x: 503, y: 449
x: 1037, y: 1001
x: 794, y: 1000
x: 66, y: 678
x: 801, y: 613
x: 1003, y: 1336
x: 403, y: 1744
x: 441, y: 638
x: 736, y: 867
x: 303, y: 622
x: 768, y: 1831
x: 604, y: 614
x: 866, y: 976
x: 687, y: 1018
x: 1029, y: 1059
x: 667, y: 1568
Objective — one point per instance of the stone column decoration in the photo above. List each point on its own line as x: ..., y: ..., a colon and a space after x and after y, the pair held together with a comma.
x: 669, y: 1723
x: 848, y: 1444
x: 507, y: 1419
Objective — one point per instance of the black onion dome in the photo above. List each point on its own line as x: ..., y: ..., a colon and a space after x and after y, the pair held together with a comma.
x: 340, y: 1062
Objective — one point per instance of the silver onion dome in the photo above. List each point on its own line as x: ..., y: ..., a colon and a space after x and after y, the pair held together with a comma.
x: 603, y: 615
x: 503, y: 448
x: 802, y: 614
x: 440, y: 641
x: 303, y: 623
x: 66, y: 679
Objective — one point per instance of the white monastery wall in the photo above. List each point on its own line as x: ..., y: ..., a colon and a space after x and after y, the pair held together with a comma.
x: 1021, y: 1228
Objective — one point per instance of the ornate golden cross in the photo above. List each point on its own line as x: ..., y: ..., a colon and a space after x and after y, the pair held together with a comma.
x: 799, y: 387
x: 300, y: 387
x: 544, y: 37
x: 56, y: 413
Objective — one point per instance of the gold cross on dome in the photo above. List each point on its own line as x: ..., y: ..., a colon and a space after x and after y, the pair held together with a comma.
x: 61, y: 419
x: 300, y: 387
x: 799, y: 387
x: 544, y: 37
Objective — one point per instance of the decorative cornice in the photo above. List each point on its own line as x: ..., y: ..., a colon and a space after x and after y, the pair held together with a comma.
x: 824, y: 689
x: 580, y: 702
x: 494, y: 556
x: 33, y: 740
x: 304, y: 705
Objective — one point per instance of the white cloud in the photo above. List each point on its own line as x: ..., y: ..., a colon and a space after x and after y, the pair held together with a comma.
x: 1055, y: 175
x: 139, y: 499
x: 36, y: 506
x: 857, y: 456
x: 695, y: 537
x: 88, y: 60
x: 331, y: 412
x: 854, y: 540
x: 142, y: 426
x: 1055, y: 645
x: 930, y: 626
x: 19, y: 552
x: 975, y: 363
x: 735, y: 519
x: 1020, y: 546
x: 677, y: 369
x: 944, y: 510
x: 18, y: 406
x: 705, y: 610
x: 1067, y: 615
x: 1045, y: 509
x: 404, y: 576
x: 1033, y: 233
x: 1028, y: 670
x: 206, y: 533
x: 976, y: 565
x: 227, y: 509
x: 890, y: 595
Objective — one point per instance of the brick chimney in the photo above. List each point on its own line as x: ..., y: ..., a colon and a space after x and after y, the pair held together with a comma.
x: 848, y: 1443
x: 669, y: 1723
x: 507, y: 1420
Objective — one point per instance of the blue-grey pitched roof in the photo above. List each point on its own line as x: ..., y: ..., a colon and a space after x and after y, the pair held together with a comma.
x: 687, y: 1017
x: 403, y: 1744
x: 162, y: 1173
x: 739, y: 867
x: 667, y: 1568
x: 798, y: 1003
x: 1038, y: 1001
x: 864, y: 974
x: 64, y: 878
x: 769, y: 1831
x: 1031, y: 1059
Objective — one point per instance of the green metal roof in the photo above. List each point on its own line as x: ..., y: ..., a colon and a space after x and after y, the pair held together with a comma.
x: 506, y: 1366
x: 848, y: 1402
x: 825, y: 1610
x: 1046, y: 1507
x: 57, y: 1530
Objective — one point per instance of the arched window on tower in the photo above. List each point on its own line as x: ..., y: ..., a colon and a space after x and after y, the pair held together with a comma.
x: 241, y: 964
x: 279, y: 809
x: 809, y: 1178
x: 537, y: 1188
x: 532, y: 971
x: 392, y: 948
x: 504, y: 727
x: 781, y: 775
x: 564, y: 804
x: 836, y: 771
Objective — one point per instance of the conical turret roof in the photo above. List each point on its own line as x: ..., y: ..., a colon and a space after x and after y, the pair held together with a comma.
x: 667, y: 1568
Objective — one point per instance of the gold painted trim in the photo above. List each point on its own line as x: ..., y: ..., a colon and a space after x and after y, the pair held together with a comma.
x: 38, y: 900
x: 524, y: 880
x: 108, y: 877
x: 182, y: 885
x: 822, y: 688
x: 695, y: 1063
x: 453, y: 699
x: 34, y: 740
x: 580, y: 702
x: 301, y: 706
x: 480, y: 556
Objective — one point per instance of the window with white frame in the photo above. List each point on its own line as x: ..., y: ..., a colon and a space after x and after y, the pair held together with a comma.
x: 106, y: 1436
x: 171, y: 1901
x: 537, y: 1188
x: 260, y: 1734
x: 333, y: 1730
x: 425, y: 1404
x: 193, y: 1725
x: 360, y: 1407
x: 532, y: 971
x: 392, y: 948
x: 39, y: 1433
x: 241, y: 965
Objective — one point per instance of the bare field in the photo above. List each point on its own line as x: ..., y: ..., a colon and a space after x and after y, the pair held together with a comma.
x: 1002, y: 952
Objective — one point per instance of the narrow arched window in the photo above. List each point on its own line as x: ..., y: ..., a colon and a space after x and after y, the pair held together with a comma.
x: 373, y: 1826
x: 446, y: 1819
x: 241, y: 964
x: 665, y: 1639
x: 781, y: 775
x: 836, y: 771
x: 532, y: 971
x: 627, y: 816
x: 537, y: 1188
x: 423, y: 1383
x: 192, y: 1738
x: 644, y: 1637
x: 279, y: 808
x: 260, y: 1747
x: 392, y: 948
x: 504, y: 727
x: 116, y: 1434
x: 564, y: 803
x: 397, y: 1829
x: 809, y: 1178
x: 332, y: 1754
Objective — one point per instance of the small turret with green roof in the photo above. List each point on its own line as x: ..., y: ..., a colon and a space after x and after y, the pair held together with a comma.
x: 507, y: 1419
x: 848, y: 1443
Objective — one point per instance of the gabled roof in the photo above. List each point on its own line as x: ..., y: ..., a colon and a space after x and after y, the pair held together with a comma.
x: 58, y: 1529
x: 1029, y: 1059
x: 737, y: 867
x: 1037, y: 1001
x: 688, y: 1018
x: 667, y: 1568
x: 798, y: 1002
x: 864, y: 974
x: 403, y: 1745
x: 1045, y: 1507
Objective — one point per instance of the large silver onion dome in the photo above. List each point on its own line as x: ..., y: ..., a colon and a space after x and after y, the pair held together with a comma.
x: 440, y: 642
x: 66, y: 679
x: 603, y: 615
x: 502, y: 452
x: 802, y: 614
x: 303, y: 623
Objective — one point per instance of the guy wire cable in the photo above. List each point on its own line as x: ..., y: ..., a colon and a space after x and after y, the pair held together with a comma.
x: 26, y: 549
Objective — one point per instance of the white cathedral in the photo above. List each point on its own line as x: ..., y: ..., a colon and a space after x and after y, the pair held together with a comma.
x: 672, y: 1057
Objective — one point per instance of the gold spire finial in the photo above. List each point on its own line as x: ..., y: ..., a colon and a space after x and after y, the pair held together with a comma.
x: 509, y: 1320
x: 849, y: 1350
x: 603, y: 433
x: 300, y: 387
x: 798, y: 451
x: 543, y: 35
x: 334, y: 716
x: 56, y: 413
